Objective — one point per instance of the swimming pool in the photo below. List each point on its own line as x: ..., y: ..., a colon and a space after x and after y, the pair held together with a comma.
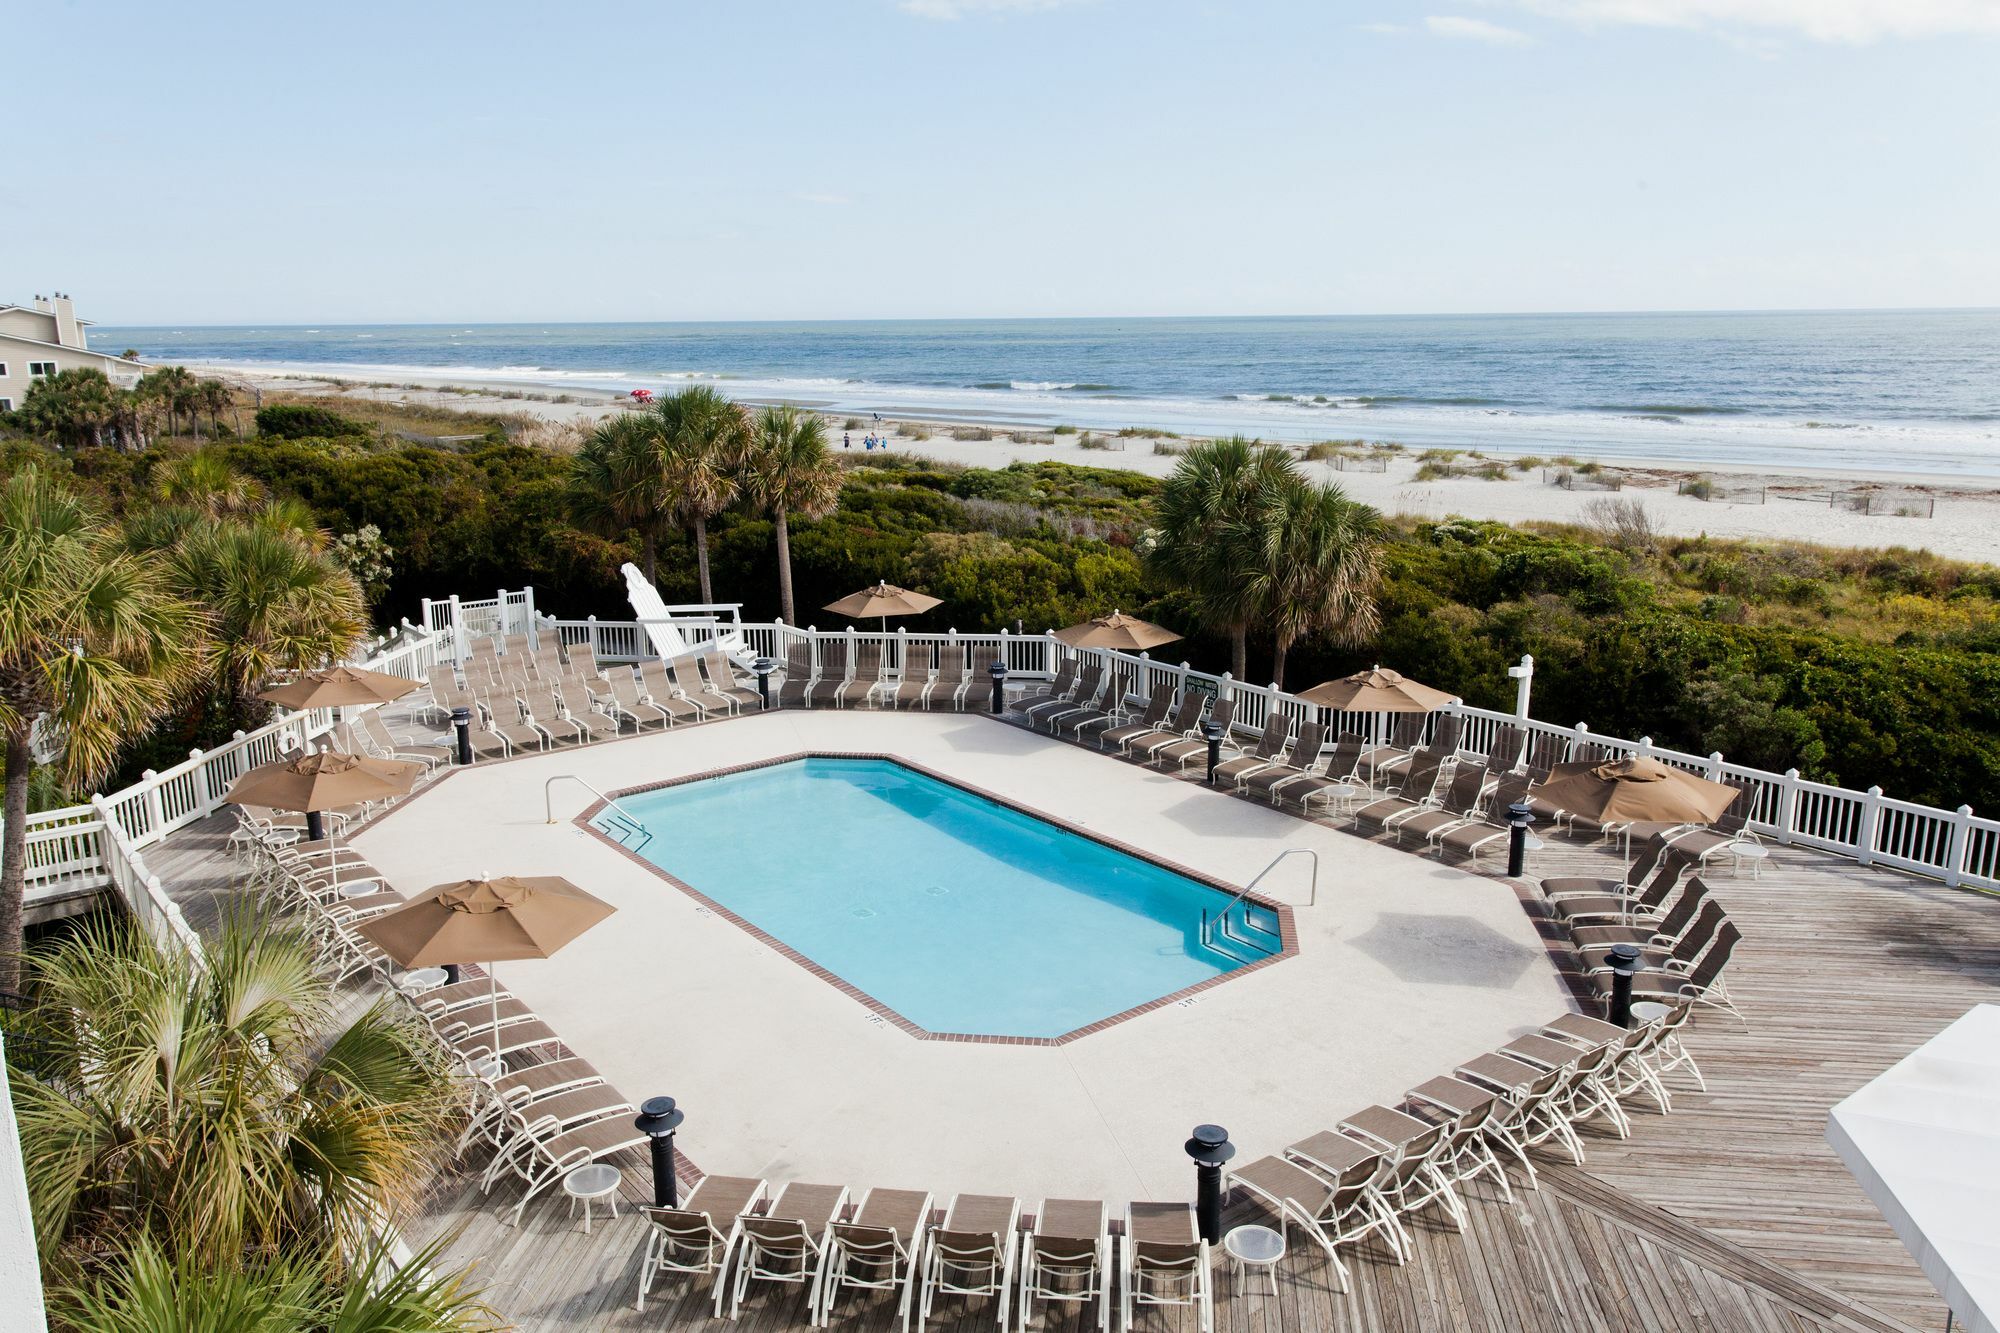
x: 956, y: 912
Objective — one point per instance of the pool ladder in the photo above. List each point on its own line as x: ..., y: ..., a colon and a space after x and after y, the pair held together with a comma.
x: 624, y: 825
x: 1218, y: 932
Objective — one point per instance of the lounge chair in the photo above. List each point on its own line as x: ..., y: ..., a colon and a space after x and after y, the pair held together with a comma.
x: 950, y: 679
x: 1480, y: 1116
x: 1058, y: 687
x: 1299, y: 764
x: 700, y: 1236
x: 1414, y: 796
x: 1702, y: 984
x: 971, y: 1253
x: 1334, y: 779
x: 867, y: 678
x: 545, y: 1161
x: 685, y: 673
x: 1404, y: 733
x: 800, y: 674
x: 516, y: 1090
x: 914, y: 681
x: 579, y: 707
x: 977, y: 693
x: 1474, y: 836
x: 724, y: 679
x: 663, y: 694
x: 1458, y: 806
x: 1678, y: 957
x: 1268, y: 751
x: 1109, y: 711
x: 786, y: 1244
x: 470, y: 1036
x: 395, y: 747
x: 1328, y: 1187
x: 541, y: 711
x: 1165, y: 1263
x: 520, y: 1126
x: 1151, y: 720
x: 880, y: 1249
x: 1185, y: 723
x: 1730, y: 831
x: 1630, y: 1071
x: 833, y: 673
x: 1067, y: 1258
x: 624, y: 703
x: 1657, y: 933
x: 1573, y: 886
x: 582, y: 662
x: 1503, y: 750
x: 1621, y: 909
x: 1221, y: 714
x: 1081, y: 694
x: 1545, y: 751
x: 1533, y: 1112
x: 1585, y: 1090
x: 1415, y: 1181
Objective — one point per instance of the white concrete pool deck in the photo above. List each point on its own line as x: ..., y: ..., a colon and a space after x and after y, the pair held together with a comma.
x: 1405, y: 968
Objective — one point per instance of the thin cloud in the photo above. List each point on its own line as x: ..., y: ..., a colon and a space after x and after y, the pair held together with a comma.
x: 1854, y: 22
x: 1475, y: 30
x: 957, y: 9
x: 823, y: 198
x: 1387, y: 29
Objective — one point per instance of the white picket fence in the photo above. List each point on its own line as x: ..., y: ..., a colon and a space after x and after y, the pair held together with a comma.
x: 99, y: 844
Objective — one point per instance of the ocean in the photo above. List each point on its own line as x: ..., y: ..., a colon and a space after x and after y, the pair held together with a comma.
x: 1912, y: 392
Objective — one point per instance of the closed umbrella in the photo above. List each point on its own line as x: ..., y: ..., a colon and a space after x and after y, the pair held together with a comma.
x: 486, y: 920
x: 1635, y: 791
x: 339, y: 686
x: 1125, y: 634
x: 883, y: 600
x: 1377, y: 690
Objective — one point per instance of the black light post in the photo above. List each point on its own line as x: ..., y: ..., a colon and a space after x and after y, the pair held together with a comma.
x: 1624, y: 963
x: 998, y: 670
x: 461, y: 719
x: 659, y: 1119
x: 1210, y: 1148
x: 1212, y: 733
x: 762, y: 669
x: 315, y: 826
x: 1519, y: 816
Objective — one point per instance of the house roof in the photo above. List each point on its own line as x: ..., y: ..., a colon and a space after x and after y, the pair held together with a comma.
x: 37, y: 310
x: 60, y: 347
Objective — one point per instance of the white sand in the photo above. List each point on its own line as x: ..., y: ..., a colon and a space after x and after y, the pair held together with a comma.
x: 1965, y: 524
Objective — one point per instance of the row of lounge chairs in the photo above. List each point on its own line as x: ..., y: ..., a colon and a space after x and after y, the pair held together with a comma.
x: 831, y: 679
x: 817, y: 1238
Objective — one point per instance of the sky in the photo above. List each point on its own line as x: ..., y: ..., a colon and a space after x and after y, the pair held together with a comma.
x: 827, y: 159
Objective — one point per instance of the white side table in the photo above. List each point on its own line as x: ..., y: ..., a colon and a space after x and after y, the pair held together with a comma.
x: 589, y: 1183
x: 1755, y: 853
x: 421, y: 980
x: 1255, y: 1246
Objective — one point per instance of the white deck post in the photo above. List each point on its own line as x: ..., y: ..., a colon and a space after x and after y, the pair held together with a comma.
x: 1715, y: 766
x: 154, y: 814
x: 20, y: 1267
x: 1524, y: 684
x: 203, y: 799
x: 1954, y: 859
x: 1788, y: 803
x: 1864, y: 837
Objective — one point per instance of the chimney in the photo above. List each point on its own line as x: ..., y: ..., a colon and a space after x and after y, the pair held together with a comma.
x: 69, y: 333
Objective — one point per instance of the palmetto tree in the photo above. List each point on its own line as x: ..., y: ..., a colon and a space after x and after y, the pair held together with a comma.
x: 224, y: 1109
x: 706, y: 439
x: 90, y: 635
x: 790, y: 471
x: 73, y: 407
x: 204, y: 481
x: 170, y: 389
x: 618, y: 483
x: 1318, y: 556
x: 1212, y: 515
x: 212, y: 397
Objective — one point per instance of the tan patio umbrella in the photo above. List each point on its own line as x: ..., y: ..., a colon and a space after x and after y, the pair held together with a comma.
x: 1635, y: 791
x: 339, y: 686
x: 486, y: 921
x: 1126, y: 634
x: 312, y: 783
x: 1377, y: 690
x: 883, y: 600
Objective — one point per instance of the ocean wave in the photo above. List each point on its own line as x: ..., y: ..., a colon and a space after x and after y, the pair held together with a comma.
x: 1646, y: 410
x: 1446, y: 400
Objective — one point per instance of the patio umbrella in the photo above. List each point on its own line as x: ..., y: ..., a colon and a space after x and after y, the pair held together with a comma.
x: 1377, y: 690
x: 338, y: 686
x: 1635, y: 791
x: 1126, y: 634
x: 311, y: 783
x: 883, y: 600
x: 488, y: 921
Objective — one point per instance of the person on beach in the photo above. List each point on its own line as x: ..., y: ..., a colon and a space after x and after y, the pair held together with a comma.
x: 846, y: 440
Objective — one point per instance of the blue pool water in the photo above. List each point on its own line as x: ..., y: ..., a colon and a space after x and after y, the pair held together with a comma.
x: 958, y: 913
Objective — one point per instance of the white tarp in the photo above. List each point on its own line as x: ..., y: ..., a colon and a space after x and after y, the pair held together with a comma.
x: 652, y: 609
x: 1924, y: 1141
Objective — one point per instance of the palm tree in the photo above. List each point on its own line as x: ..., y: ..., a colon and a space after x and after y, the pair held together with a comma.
x: 212, y: 396
x: 790, y: 471
x: 1318, y: 559
x: 276, y: 599
x: 618, y: 483
x: 224, y: 1109
x: 203, y: 480
x: 72, y: 407
x: 1212, y: 515
x: 707, y: 437
x: 90, y: 635
x: 169, y: 389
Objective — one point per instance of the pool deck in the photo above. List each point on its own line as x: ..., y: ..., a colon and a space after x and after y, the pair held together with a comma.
x: 1731, y: 1213
x: 1404, y: 968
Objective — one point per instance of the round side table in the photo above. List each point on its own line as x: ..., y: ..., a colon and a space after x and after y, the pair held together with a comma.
x: 421, y: 980
x: 1649, y: 1011
x: 1255, y: 1246
x: 589, y: 1183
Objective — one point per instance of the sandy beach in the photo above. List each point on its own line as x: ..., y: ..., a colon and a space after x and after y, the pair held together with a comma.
x: 1963, y: 521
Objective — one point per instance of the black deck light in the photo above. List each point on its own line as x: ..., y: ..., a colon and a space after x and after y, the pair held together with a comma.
x: 998, y: 670
x: 1624, y: 963
x: 659, y: 1118
x: 1519, y: 816
x: 1210, y: 1148
x: 762, y: 669
x: 315, y: 826
x: 461, y: 720
x: 1212, y: 733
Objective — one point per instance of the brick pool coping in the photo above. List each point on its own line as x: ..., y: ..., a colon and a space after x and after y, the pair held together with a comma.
x: 1287, y: 933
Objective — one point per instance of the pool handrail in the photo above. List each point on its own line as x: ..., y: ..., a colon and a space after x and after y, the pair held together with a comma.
x: 549, y: 809
x: 1312, y: 896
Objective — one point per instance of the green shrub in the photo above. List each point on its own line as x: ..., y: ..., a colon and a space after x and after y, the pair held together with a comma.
x: 302, y: 421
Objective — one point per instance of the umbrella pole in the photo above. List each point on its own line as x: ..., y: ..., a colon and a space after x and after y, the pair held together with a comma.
x: 493, y: 990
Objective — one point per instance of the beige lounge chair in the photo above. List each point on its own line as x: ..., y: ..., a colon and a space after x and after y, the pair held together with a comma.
x: 800, y: 675
x: 1221, y: 714
x: 1146, y: 723
x: 971, y: 1253
x: 1333, y: 781
x: 1413, y: 797
x: 625, y: 703
x: 685, y: 673
x: 579, y: 707
x: 1066, y: 1258
x: 1165, y: 1264
x: 880, y: 1249
x: 1082, y: 692
x: 950, y: 679
x: 1459, y: 805
x: 519, y: 1127
x: 1058, y: 688
x: 867, y: 678
x: 833, y: 673
x: 1327, y: 1186
x: 1297, y: 764
x: 724, y: 679
x: 914, y: 683
x: 786, y: 1244
x: 699, y: 1237
x: 663, y: 694
x: 544, y: 1161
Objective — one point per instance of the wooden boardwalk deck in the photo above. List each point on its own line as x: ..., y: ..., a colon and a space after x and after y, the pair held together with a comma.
x: 1731, y: 1213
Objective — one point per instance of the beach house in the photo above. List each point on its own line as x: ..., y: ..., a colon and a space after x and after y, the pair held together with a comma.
x: 39, y: 340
